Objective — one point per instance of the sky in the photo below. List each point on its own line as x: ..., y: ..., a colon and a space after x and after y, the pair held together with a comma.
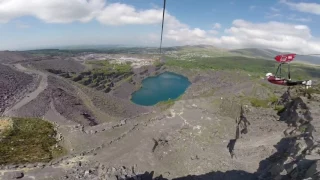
x: 284, y: 25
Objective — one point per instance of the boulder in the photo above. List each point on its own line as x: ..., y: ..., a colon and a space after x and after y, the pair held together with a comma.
x: 13, y: 175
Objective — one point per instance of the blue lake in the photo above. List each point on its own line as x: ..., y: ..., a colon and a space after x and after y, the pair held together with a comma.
x: 163, y: 87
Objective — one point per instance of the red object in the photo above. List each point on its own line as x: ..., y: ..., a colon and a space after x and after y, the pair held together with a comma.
x: 275, y: 80
x: 285, y: 58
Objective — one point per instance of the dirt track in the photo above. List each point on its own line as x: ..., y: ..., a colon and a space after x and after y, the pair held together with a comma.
x: 29, y: 97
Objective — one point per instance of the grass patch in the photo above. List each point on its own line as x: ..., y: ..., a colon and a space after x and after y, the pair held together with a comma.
x: 58, y: 151
x: 5, y: 124
x: 29, y: 140
x: 273, y: 99
x: 106, y: 68
x: 216, y: 102
x: 309, y: 92
x: 255, y: 102
x: 158, y: 63
x: 230, y: 107
x: 279, y: 108
x: 167, y: 104
x: 264, y: 103
x: 126, y: 79
x: 265, y: 85
x: 303, y: 128
x: 313, y: 90
x: 208, y: 93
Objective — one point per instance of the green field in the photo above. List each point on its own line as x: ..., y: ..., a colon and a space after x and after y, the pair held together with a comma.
x: 253, y: 65
x: 29, y: 140
x: 106, y: 68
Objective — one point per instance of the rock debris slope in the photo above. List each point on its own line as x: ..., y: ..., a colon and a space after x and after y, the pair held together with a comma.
x: 212, y: 132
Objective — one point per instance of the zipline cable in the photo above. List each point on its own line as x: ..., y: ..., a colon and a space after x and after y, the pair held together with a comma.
x: 164, y: 9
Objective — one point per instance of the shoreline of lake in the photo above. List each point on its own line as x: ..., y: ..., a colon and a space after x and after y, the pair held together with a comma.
x: 167, y: 85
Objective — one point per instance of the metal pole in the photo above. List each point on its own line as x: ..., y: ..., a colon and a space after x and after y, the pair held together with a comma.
x: 277, y: 70
x: 289, y: 75
x: 280, y: 69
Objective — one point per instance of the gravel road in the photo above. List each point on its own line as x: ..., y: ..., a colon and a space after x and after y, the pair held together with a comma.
x: 29, y: 97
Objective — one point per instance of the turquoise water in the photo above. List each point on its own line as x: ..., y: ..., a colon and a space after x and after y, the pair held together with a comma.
x: 163, y: 87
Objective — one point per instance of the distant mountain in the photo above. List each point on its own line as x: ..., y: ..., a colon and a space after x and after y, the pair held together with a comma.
x: 261, y: 53
x: 108, y: 46
x: 309, y: 59
x: 208, y: 47
x: 198, y: 50
x: 270, y: 54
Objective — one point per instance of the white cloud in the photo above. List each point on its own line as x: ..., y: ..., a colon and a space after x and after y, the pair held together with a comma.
x: 252, y: 7
x: 21, y: 25
x: 123, y: 14
x: 67, y: 11
x: 213, y: 32
x: 274, y: 9
x: 270, y: 29
x: 273, y: 15
x: 187, y: 35
x: 51, y: 11
x: 312, y: 8
x: 273, y: 35
x: 300, y: 19
x: 217, y: 26
x: 119, y: 14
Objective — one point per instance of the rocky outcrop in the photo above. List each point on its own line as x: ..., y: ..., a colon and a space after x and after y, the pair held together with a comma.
x: 13, y: 175
x: 100, y: 171
x: 296, y: 156
x: 296, y: 113
x: 284, y: 99
x: 14, y: 85
x: 297, y: 153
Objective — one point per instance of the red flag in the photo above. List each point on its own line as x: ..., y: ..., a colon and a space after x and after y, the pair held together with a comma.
x: 285, y: 58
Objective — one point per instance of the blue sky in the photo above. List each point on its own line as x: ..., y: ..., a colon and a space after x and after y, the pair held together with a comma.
x: 275, y: 24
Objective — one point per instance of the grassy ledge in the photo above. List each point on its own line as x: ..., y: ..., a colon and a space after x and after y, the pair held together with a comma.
x: 264, y: 103
x: 167, y: 104
x: 28, y: 140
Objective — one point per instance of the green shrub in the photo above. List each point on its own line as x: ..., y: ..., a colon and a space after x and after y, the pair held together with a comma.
x: 279, y: 108
x: 273, y: 99
x: 303, y: 128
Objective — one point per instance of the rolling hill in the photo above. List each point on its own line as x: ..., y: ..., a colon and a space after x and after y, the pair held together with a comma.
x: 192, y: 51
x: 270, y: 54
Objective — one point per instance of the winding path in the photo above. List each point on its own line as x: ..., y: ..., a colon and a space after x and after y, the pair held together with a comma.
x: 31, y: 96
